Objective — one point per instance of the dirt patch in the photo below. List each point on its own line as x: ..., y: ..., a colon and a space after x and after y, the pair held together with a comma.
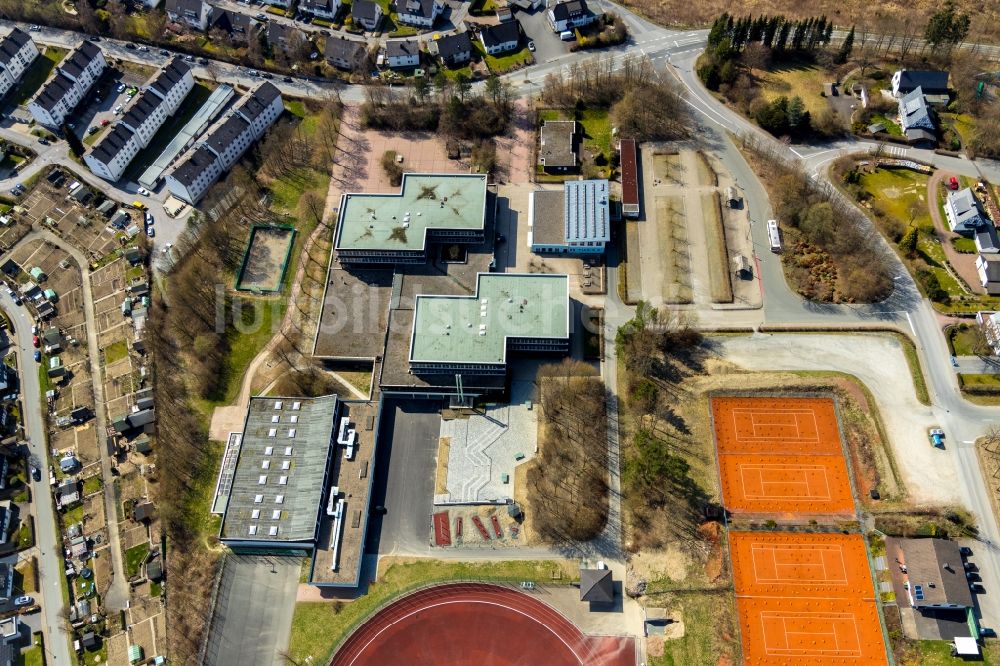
x: 672, y: 237
x: 441, y: 472
x: 706, y: 175
x: 719, y: 273
x: 267, y: 257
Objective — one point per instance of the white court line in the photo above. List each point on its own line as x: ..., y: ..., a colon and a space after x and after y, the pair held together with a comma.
x: 759, y: 468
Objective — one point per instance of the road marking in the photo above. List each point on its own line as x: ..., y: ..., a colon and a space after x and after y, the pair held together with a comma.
x: 910, y: 321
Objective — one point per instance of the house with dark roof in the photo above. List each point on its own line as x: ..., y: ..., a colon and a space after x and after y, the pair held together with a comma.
x: 964, y: 212
x: 500, y: 38
x: 17, y: 52
x: 172, y: 83
x: 284, y: 38
x: 69, y: 84
x: 345, y: 53
x: 597, y: 586
x: 986, y: 239
x: 402, y: 53
x: 570, y: 14
x: 454, y: 49
x: 240, y: 27
x: 988, y: 268
x: 366, y: 14
x: 916, y: 119
x: 194, y: 174
x: 930, y: 572
x: 260, y: 108
x: 112, y: 154
x: 144, y: 116
x: 934, y: 84
x: 557, y: 146
x: 325, y: 9
x: 194, y: 13
x: 420, y: 13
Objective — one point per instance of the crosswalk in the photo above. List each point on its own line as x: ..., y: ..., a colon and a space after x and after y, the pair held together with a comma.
x: 895, y: 151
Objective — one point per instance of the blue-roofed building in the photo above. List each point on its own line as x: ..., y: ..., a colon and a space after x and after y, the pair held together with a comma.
x: 916, y: 119
x: 575, y: 220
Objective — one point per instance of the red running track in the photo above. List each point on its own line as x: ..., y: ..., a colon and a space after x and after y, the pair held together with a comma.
x: 475, y: 623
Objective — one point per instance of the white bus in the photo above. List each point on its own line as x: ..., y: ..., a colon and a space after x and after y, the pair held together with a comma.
x: 773, y: 235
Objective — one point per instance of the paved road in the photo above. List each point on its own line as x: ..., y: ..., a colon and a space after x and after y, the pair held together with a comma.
x: 48, y: 541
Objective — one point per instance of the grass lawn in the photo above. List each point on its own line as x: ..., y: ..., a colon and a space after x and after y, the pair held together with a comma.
x: 550, y: 114
x: 26, y: 534
x: 44, y: 383
x: 91, y: 139
x: 891, y: 128
x: 259, y: 317
x: 74, y: 515
x: 318, y: 627
x: 500, y: 64
x: 92, y: 484
x: 32, y: 656
x: 709, y: 630
x: 897, y: 190
x: 454, y: 72
x: 155, y: 588
x: 134, y: 557
x: 36, y: 75
x: 964, y: 245
x: 115, y: 352
x: 198, y: 95
x: 980, y: 380
x: 938, y: 653
x: 596, y: 125
x: 793, y: 79
x: 98, y: 656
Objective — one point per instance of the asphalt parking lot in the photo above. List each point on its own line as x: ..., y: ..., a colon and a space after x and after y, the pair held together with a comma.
x: 536, y: 28
x: 107, y: 90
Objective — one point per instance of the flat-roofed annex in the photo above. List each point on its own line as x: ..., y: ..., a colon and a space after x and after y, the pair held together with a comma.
x: 401, y: 221
x: 475, y: 329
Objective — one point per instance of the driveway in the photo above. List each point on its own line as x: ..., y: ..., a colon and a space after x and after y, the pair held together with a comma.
x: 253, y: 611
x: 536, y: 27
x: 964, y: 265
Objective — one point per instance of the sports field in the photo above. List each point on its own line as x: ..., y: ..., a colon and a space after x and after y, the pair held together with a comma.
x: 805, y: 598
x: 781, y: 455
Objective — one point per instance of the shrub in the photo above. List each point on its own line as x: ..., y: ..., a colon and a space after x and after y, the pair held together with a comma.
x: 392, y: 168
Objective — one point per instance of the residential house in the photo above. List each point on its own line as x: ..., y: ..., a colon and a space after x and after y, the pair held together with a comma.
x: 916, y: 120
x: 570, y: 14
x: 366, y: 14
x: 194, y: 13
x: 68, y: 85
x: 346, y: 53
x: 455, y: 49
x: 285, y: 4
x: 10, y: 641
x: 402, y: 53
x: 930, y: 572
x: 557, y: 146
x: 500, y: 38
x: 986, y: 239
x: 172, y: 83
x: 17, y: 52
x: 224, y: 143
x: 68, y: 492
x: 988, y: 268
x: 284, y: 38
x: 964, y: 212
x: 6, y: 518
x: 239, y: 27
x: 419, y: 13
x: 989, y: 321
x: 504, y: 11
x: 7, y: 592
x: 575, y: 220
x: 142, y: 511
x: 324, y: 9
x: 933, y: 83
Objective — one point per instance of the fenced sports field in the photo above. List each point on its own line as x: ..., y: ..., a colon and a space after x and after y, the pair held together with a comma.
x: 266, y: 258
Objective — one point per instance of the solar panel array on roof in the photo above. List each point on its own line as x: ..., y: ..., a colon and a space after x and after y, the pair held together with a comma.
x: 586, y: 211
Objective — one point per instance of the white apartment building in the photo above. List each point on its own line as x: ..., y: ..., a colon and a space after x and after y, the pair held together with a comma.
x: 142, y: 120
x: 69, y: 84
x: 224, y: 143
x: 17, y: 52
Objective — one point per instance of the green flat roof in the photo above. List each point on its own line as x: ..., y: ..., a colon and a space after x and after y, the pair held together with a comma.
x: 400, y: 221
x: 474, y: 329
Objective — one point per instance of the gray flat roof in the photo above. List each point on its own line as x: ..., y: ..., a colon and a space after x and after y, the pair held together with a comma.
x: 277, y: 486
x: 474, y: 329
x: 401, y: 221
x: 586, y: 211
x: 548, y: 226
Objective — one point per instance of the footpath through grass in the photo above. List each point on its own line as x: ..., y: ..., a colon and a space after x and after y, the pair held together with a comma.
x: 318, y: 627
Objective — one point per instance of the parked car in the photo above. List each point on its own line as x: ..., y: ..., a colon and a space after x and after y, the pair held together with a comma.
x: 149, y: 217
x: 150, y: 231
x: 965, y: 550
x: 973, y: 576
x: 936, y: 436
x: 121, y: 88
x: 531, y: 46
x: 287, y: 79
x: 189, y: 58
x: 34, y: 28
x: 42, y: 140
x: 164, y: 52
x: 144, y: 49
x: 261, y: 17
x: 987, y: 632
x: 36, y: 473
x: 143, y: 191
x: 23, y: 601
x: 105, y: 122
x: 118, y: 109
x: 93, y: 129
x: 38, y: 359
x: 94, y: 38
x: 35, y: 341
x: 202, y: 61
x: 130, y: 46
x: 953, y: 183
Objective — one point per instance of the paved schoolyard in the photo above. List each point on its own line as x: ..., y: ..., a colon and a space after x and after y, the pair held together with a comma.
x: 484, y: 446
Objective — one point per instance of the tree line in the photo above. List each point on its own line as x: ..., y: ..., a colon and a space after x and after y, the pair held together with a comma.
x: 774, y: 32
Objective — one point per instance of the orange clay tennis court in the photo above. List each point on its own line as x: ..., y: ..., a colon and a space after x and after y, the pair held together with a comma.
x: 781, y: 455
x: 805, y: 598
